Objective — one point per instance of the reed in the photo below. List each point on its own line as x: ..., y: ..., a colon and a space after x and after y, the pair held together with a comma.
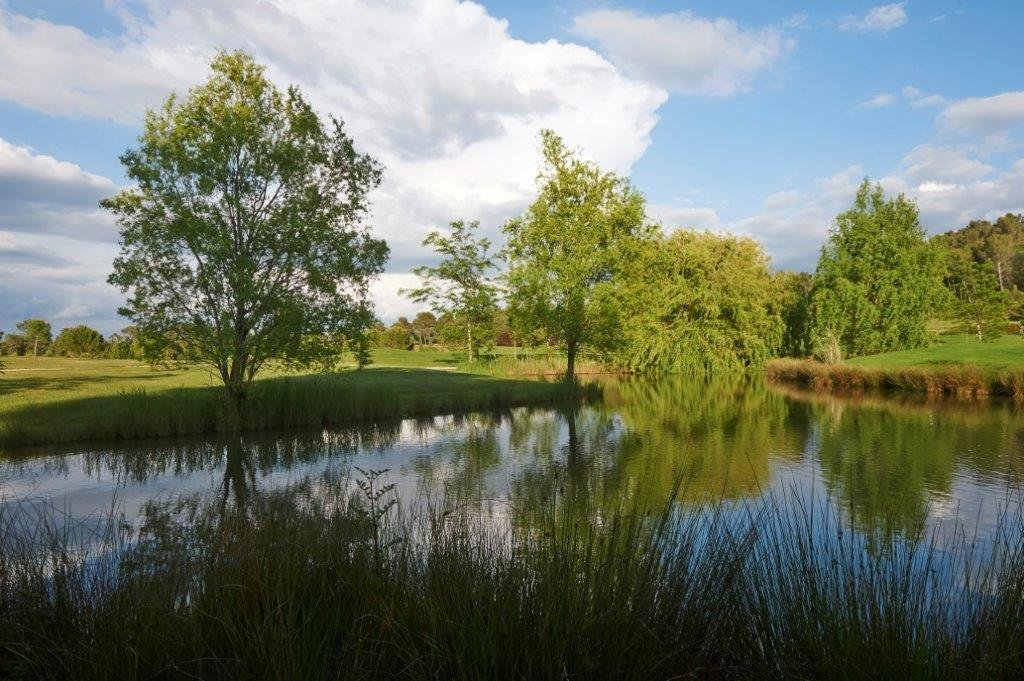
x: 965, y: 381
x: 301, y: 583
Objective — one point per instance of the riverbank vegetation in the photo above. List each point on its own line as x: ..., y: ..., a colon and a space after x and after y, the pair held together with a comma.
x: 313, y: 582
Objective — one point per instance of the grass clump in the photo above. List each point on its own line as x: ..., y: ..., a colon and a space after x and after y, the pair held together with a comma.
x: 306, y: 583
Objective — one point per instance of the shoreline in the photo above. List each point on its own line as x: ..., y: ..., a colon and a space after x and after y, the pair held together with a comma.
x: 964, y: 381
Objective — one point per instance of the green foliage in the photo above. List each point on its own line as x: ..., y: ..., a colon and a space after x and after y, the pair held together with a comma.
x: 979, y: 305
x: 125, y: 345
x: 793, y: 292
x: 566, y: 252
x: 697, y: 301
x: 37, y: 334
x: 1000, y: 243
x: 243, y: 241
x: 13, y: 344
x: 397, y: 337
x: 79, y: 341
x: 460, y: 286
x: 878, y: 278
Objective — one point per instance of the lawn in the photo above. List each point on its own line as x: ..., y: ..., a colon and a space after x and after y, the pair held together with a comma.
x: 52, y: 399
x: 1005, y: 352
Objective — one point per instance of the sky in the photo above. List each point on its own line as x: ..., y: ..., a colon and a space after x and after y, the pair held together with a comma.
x: 753, y: 118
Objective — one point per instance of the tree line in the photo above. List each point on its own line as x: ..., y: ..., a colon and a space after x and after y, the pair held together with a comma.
x: 34, y: 338
x: 244, y: 240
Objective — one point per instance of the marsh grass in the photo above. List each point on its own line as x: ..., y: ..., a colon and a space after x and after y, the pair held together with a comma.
x: 957, y: 380
x: 278, y: 402
x: 303, y: 583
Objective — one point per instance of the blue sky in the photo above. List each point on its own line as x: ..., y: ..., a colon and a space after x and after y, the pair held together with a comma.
x: 750, y: 117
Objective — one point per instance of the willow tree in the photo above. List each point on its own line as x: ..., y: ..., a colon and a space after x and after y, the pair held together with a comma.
x: 698, y: 302
x: 244, y: 239
x: 565, y: 253
x: 878, y: 278
x: 459, y: 287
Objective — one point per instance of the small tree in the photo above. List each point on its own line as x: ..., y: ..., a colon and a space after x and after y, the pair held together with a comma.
x: 79, y: 341
x: 460, y: 285
x: 878, y: 278
x: 979, y: 304
x: 565, y: 252
x: 243, y: 241
x: 37, y: 334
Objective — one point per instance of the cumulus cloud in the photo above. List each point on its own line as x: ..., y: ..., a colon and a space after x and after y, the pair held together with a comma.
x: 881, y: 19
x: 438, y: 91
x: 880, y: 100
x: 937, y: 163
x: 682, y: 52
x: 985, y: 115
x: 43, y: 195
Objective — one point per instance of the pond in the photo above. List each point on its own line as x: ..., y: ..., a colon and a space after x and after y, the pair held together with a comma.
x: 884, y: 464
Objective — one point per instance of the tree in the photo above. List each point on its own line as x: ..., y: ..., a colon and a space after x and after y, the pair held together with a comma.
x: 37, y: 334
x: 244, y: 240
x: 423, y: 328
x: 14, y: 344
x: 1001, y: 243
x: 566, y: 251
x: 79, y: 341
x: 697, y: 301
x: 460, y: 285
x: 980, y: 306
x: 878, y: 278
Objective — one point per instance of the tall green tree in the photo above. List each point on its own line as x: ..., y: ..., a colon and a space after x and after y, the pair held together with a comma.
x: 38, y: 335
x: 244, y: 239
x: 979, y: 304
x: 565, y: 253
x: 697, y: 301
x: 1000, y: 243
x: 460, y: 285
x: 79, y: 341
x: 878, y: 278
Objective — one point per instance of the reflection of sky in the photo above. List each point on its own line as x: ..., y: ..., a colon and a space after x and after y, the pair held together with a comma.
x: 480, y: 460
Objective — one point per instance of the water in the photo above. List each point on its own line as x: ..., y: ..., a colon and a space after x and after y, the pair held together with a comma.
x: 884, y: 464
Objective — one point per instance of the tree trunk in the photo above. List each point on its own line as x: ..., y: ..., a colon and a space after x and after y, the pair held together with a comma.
x: 999, y: 271
x: 469, y: 334
x: 570, y: 366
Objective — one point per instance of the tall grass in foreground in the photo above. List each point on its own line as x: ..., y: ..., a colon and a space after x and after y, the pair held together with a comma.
x: 960, y: 380
x: 303, y: 584
x: 279, y: 402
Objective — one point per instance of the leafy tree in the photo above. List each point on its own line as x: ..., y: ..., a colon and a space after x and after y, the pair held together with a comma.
x: 423, y: 328
x: 124, y: 345
x: 79, y: 341
x: 14, y: 344
x: 244, y: 240
x: 793, y: 290
x: 697, y: 301
x: 460, y: 285
x: 1001, y: 243
x: 37, y: 334
x: 878, y: 278
x: 565, y: 253
x: 980, y: 306
x: 397, y: 337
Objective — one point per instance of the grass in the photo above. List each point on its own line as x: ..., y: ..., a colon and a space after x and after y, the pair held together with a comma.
x: 54, y: 400
x: 313, y: 583
x: 1003, y: 353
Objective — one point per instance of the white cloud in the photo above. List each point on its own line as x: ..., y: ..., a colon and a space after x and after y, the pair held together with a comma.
x: 43, y: 195
x: 985, y: 115
x: 683, y: 52
x: 438, y: 91
x: 943, y: 164
x: 783, y: 199
x: 919, y: 99
x: 880, y: 100
x: 881, y: 19
x: 688, y: 216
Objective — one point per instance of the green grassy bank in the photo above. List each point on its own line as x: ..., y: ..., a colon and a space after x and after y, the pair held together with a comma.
x: 53, y: 400
x: 307, y: 583
x: 954, y: 365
